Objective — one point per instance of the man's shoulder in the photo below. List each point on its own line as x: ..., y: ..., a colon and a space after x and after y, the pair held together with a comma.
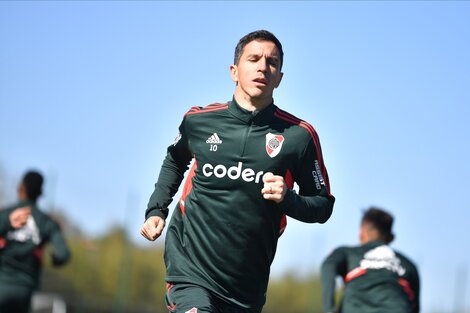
x: 349, y: 250
x: 45, y: 219
x: 14, y: 206
x: 346, y: 249
x: 198, y: 110
x: 9, y: 208
x: 404, y: 258
x: 283, y: 114
x: 290, y: 119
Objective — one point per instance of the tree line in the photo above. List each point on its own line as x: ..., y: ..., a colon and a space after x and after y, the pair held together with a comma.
x: 110, y: 274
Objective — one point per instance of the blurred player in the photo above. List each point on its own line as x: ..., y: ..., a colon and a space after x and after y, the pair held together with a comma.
x: 377, y: 278
x: 247, y: 154
x: 24, y: 232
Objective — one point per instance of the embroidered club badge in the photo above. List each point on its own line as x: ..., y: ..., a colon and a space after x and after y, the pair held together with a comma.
x: 273, y: 144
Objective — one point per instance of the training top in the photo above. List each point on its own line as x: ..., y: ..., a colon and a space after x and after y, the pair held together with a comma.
x: 21, y: 250
x: 377, y: 280
x: 223, y: 234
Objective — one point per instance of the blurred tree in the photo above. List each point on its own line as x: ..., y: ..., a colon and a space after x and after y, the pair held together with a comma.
x: 294, y: 295
x: 92, y: 282
x: 111, y: 274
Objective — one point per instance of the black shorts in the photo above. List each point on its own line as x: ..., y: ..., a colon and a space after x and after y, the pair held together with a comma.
x: 189, y: 298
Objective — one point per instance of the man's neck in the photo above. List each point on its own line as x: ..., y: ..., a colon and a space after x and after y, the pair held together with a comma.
x: 371, y: 239
x: 252, y: 104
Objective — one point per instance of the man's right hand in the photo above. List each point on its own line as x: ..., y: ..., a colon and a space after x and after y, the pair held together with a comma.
x: 153, y: 227
x: 19, y: 217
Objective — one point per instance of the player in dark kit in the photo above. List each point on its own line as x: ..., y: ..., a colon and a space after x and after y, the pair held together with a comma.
x: 377, y: 278
x: 246, y: 154
x: 24, y: 232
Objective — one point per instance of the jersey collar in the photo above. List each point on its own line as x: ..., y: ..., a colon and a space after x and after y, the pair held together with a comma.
x: 250, y: 116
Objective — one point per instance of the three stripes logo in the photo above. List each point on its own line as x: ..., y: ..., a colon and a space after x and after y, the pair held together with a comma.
x: 214, y: 139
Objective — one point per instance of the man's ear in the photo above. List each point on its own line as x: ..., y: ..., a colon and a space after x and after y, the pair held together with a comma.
x: 234, y: 72
x: 281, y: 74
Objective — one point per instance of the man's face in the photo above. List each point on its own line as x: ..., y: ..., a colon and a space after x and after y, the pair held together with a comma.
x: 22, y: 192
x: 363, y: 234
x: 257, y: 72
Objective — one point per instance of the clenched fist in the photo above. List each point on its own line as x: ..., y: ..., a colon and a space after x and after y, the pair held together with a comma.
x: 19, y: 217
x: 274, y: 187
x: 153, y: 227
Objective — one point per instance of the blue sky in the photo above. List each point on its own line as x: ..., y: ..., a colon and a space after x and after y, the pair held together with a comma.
x: 91, y: 93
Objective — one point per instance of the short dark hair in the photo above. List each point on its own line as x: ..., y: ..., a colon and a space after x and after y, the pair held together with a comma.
x: 32, y: 182
x: 261, y: 35
x: 380, y: 220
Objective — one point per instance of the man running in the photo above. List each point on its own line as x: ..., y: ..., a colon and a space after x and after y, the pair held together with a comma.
x: 24, y: 232
x: 247, y: 154
x: 377, y: 278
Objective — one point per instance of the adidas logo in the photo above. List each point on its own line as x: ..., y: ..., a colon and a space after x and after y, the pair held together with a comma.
x: 214, y: 139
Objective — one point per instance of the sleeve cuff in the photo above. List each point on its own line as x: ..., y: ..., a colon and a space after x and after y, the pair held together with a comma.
x: 155, y: 212
x: 288, y: 200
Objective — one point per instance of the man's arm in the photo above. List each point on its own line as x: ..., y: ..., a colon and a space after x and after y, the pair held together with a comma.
x: 314, y: 203
x: 60, y: 250
x: 410, y: 282
x: 413, y: 278
x: 171, y: 175
x: 335, y: 264
x: 5, y: 225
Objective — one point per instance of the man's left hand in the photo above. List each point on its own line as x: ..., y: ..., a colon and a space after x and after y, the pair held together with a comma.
x: 274, y: 187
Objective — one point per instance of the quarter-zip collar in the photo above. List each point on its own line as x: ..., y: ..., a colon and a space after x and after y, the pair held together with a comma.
x: 375, y: 243
x: 27, y: 203
x: 250, y: 116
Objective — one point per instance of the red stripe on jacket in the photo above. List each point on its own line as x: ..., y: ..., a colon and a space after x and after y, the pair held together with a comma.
x: 289, y: 180
x: 358, y: 271
x: 407, y: 288
x: 210, y: 108
x: 171, y: 306
x: 188, y: 185
x: 313, y: 134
